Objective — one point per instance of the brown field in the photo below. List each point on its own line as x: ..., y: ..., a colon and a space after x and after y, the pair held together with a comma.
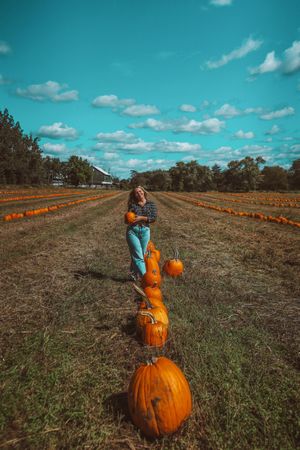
x: 68, y: 344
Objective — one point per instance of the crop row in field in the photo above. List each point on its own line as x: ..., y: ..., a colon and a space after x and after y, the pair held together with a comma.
x: 256, y: 215
x: 38, y: 211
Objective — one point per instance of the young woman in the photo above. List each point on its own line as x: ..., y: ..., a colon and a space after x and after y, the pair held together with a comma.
x: 138, y: 233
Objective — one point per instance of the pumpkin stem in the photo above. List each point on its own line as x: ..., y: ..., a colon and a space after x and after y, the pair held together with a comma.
x: 153, y: 360
x: 142, y: 293
x: 148, y: 314
x: 176, y: 252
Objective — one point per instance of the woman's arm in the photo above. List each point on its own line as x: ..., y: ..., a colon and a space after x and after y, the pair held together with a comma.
x: 151, y: 212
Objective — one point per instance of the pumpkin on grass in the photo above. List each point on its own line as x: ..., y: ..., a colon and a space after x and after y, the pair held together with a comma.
x: 149, y: 302
x: 153, y: 333
x: 152, y: 279
x: 173, y: 267
x: 154, y: 250
x: 129, y: 217
x: 159, y: 397
x: 151, y: 262
x: 153, y: 292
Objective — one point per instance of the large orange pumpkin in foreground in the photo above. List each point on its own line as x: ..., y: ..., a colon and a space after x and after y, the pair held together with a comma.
x: 159, y: 397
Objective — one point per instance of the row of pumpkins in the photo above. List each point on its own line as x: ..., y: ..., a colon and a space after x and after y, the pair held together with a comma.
x: 159, y: 396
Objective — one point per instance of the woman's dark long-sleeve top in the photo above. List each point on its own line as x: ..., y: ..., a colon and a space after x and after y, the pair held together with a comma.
x: 149, y: 210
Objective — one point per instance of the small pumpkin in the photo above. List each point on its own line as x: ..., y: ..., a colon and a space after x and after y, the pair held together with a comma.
x: 153, y: 292
x: 129, y: 217
x: 151, y: 261
x: 173, y: 267
x: 150, y: 246
x: 148, y: 302
x: 154, y: 333
x: 154, y: 306
x: 154, y: 250
x: 159, y: 397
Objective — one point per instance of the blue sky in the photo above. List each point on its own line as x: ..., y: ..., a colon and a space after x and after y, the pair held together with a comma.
x: 139, y: 85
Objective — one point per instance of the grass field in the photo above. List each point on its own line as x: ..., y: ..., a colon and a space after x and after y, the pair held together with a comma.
x: 68, y: 344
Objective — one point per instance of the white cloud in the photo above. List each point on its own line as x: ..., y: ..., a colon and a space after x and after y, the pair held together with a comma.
x: 4, y: 48
x: 253, y: 110
x: 220, y: 2
x: 4, y: 80
x: 116, y: 136
x: 252, y: 149
x: 250, y: 45
x: 110, y: 156
x: 140, y: 110
x: 274, y: 130
x: 287, y: 111
x: 51, y: 90
x: 228, y: 111
x: 54, y: 148
x: 208, y: 126
x: 244, y: 135
x: 270, y: 64
x: 112, y: 101
x: 292, y: 58
x: 187, y: 108
x: 58, y: 131
x: 135, y: 145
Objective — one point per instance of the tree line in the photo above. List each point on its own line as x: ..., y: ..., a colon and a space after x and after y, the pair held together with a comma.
x: 22, y: 162
x: 244, y: 175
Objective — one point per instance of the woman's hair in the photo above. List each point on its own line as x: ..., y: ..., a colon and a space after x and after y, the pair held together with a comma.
x: 132, y: 198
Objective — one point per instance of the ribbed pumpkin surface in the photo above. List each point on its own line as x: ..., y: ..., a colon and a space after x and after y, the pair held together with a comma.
x: 159, y: 398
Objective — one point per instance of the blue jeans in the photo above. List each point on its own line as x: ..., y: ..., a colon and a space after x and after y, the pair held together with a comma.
x: 137, y: 239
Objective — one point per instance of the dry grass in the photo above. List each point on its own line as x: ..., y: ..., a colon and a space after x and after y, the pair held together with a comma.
x: 68, y: 336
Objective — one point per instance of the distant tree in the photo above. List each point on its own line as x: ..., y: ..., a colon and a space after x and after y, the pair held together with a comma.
x: 190, y: 176
x: 217, y: 177
x: 160, y: 180
x: 77, y: 171
x: 294, y: 175
x: 243, y: 175
x: 274, y: 178
x: 53, y: 169
x: 124, y: 184
x: 20, y: 155
x: 138, y: 179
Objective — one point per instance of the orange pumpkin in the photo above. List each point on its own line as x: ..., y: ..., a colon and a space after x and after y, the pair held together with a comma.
x: 156, y: 253
x: 159, y: 397
x: 154, y: 333
x: 153, y: 292
x: 129, y: 217
x: 173, y: 267
x: 149, y: 302
x: 150, y: 246
x: 158, y: 313
x: 151, y: 279
x: 151, y: 262
x: 152, y: 303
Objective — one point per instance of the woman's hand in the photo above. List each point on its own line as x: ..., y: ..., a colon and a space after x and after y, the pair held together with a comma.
x: 140, y: 219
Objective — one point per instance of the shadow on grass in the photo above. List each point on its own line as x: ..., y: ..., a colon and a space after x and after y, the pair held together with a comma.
x: 117, y: 404
x: 129, y: 327
x: 99, y: 276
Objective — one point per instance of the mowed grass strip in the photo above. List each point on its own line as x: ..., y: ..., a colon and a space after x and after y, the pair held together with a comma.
x: 69, y: 334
